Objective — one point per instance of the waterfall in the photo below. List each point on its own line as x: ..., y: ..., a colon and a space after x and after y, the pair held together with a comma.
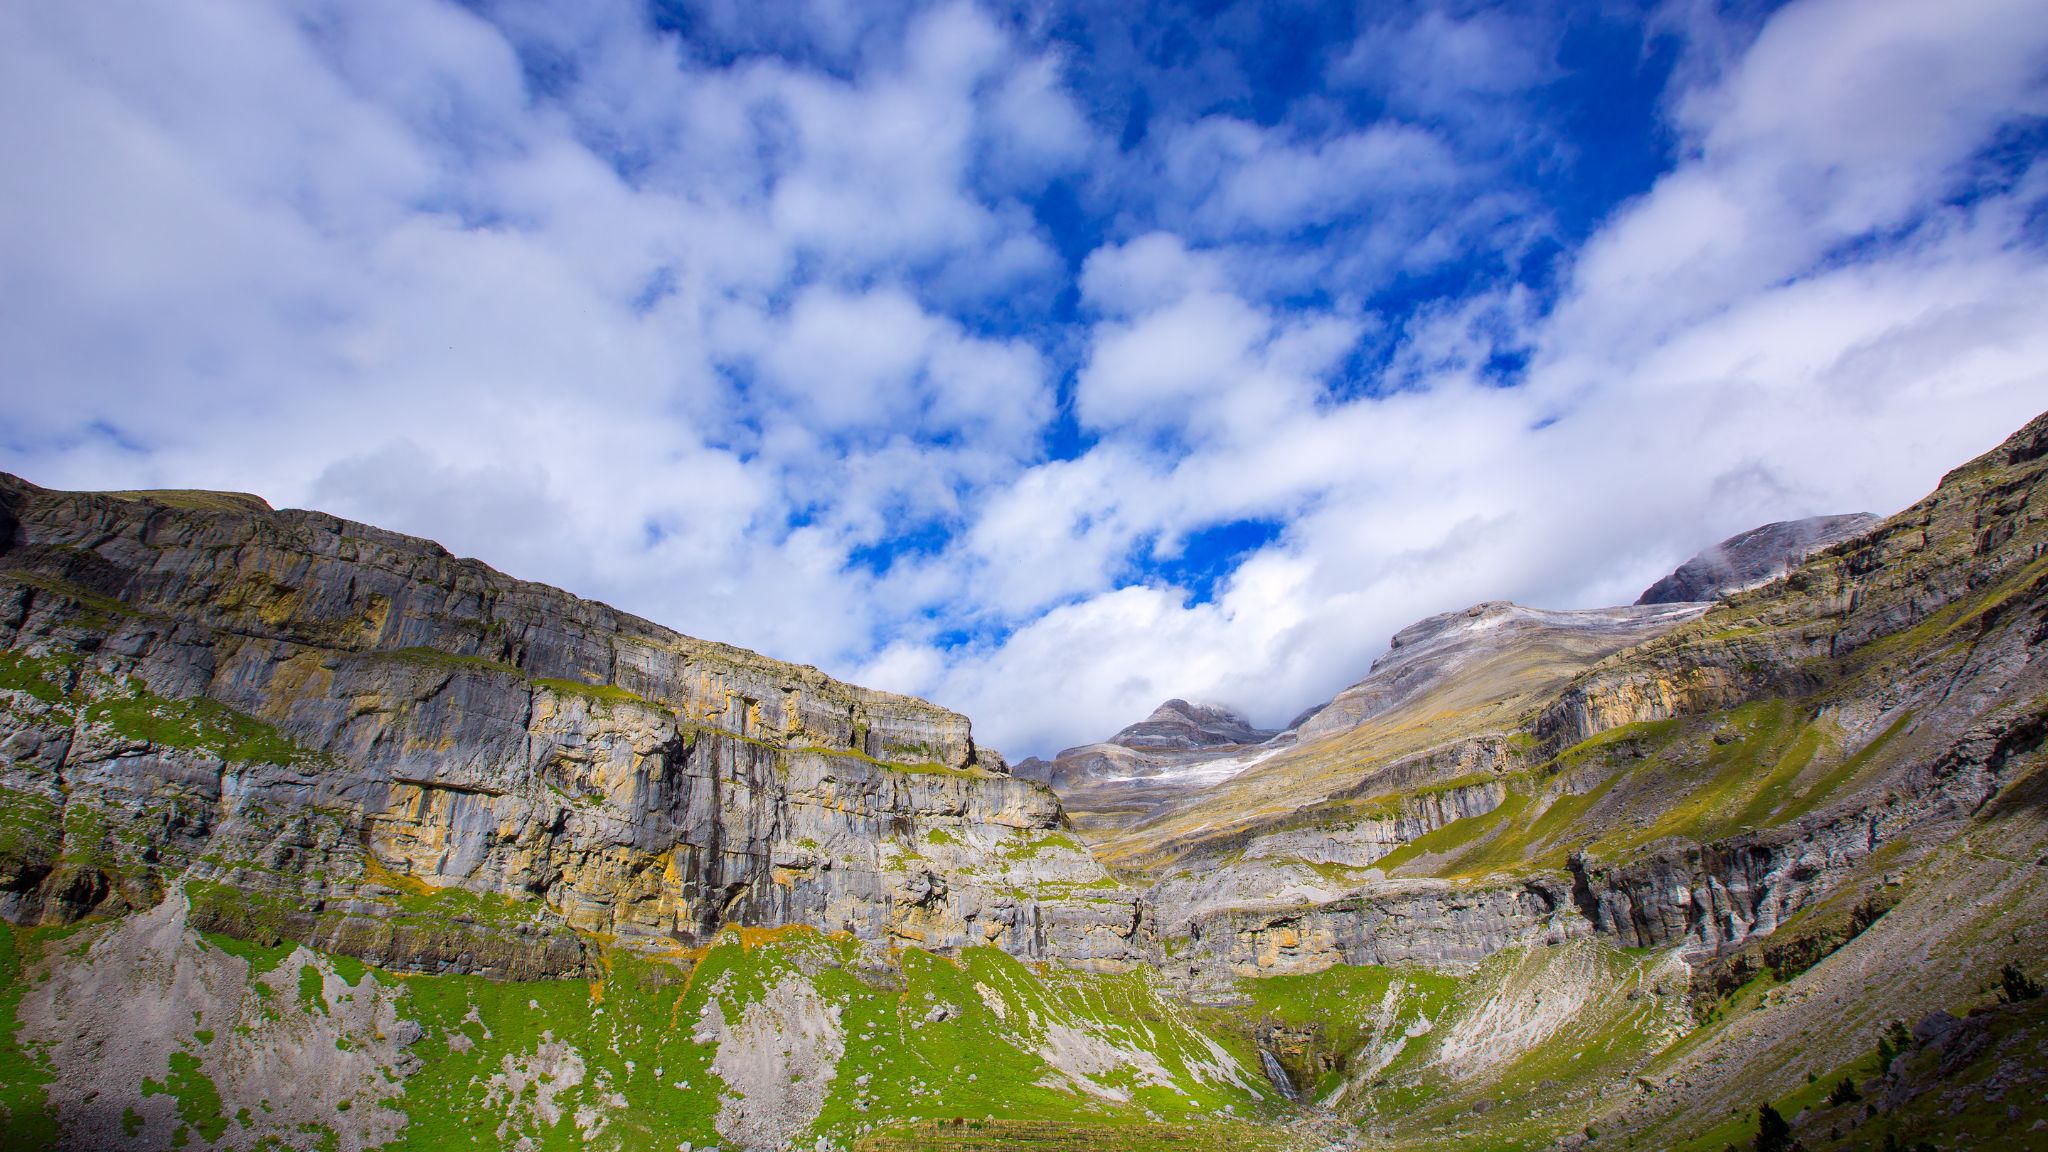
x: 1278, y: 1075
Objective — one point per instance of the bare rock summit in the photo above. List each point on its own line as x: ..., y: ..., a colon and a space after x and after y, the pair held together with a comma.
x: 1182, y: 726
x: 1747, y: 559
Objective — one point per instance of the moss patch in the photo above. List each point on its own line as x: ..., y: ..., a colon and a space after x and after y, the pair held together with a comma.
x: 200, y: 725
x: 435, y: 658
x: 198, y: 1099
x: 25, y: 1118
x: 603, y: 693
x: 47, y: 678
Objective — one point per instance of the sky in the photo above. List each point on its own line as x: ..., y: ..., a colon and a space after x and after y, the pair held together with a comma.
x: 1043, y: 360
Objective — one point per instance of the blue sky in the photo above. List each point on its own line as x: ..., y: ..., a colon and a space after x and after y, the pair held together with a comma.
x: 1044, y: 360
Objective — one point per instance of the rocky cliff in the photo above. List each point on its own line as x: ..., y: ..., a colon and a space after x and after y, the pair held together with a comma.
x: 336, y: 734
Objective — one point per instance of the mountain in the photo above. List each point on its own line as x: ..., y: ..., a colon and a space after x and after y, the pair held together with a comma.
x: 1753, y: 557
x: 1819, y: 801
x: 1477, y: 657
x: 1176, y: 736
x: 1179, y: 725
x: 313, y: 835
x: 1181, y: 742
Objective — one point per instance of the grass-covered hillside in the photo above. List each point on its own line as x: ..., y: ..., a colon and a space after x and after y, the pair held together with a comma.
x: 143, y: 1033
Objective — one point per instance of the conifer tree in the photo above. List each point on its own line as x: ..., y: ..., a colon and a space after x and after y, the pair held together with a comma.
x: 1773, y: 1134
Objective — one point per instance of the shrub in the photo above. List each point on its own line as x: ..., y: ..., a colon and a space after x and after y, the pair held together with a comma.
x: 1891, y: 1042
x: 1844, y: 1093
x: 1773, y: 1134
x: 2015, y: 985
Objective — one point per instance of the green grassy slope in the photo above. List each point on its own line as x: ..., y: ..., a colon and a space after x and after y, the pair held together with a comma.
x: 633, y: 1060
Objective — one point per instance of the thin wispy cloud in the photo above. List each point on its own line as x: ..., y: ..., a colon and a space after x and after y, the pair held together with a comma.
x: 1047, y: 361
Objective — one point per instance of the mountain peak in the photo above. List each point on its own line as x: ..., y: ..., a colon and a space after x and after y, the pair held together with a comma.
x: 1747, y: 559
x: 1181, y: 725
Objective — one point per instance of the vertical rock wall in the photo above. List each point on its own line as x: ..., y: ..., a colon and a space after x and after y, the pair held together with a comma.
x: 345, y: 736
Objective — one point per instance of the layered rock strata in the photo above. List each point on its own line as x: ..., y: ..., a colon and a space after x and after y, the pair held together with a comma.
x: 1924, y: 642
x: 342, y: 735
x: 1700, y: 899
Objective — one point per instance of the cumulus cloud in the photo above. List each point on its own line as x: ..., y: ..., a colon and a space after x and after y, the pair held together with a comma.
x: 838, y: 361
x: 924, y: 344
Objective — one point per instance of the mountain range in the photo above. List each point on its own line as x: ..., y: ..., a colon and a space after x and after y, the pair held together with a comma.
x: 315, y: 835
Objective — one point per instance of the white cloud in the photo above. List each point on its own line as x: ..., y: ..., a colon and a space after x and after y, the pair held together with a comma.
x: 1171, y: 365
x: 1180, y: 353
x: 1239, y: 175
x: 1435, y: 63
x: 841, y: 362
x: 1151, y: 271
x: 848, y: 359
x: 1038, y: 130
x: 1061, y: 529
x: 1889, y: 97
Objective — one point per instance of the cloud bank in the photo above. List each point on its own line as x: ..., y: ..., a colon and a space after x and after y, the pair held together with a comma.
x: 1046, y: 361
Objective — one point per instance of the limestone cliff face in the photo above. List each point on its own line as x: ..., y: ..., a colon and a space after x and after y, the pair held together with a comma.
x: 312, y: 581
x: 1306, y: 864
x: 1425, y: 922
x: 347, y: 736
x: 1698, y: 898
x: 1371, y: 837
